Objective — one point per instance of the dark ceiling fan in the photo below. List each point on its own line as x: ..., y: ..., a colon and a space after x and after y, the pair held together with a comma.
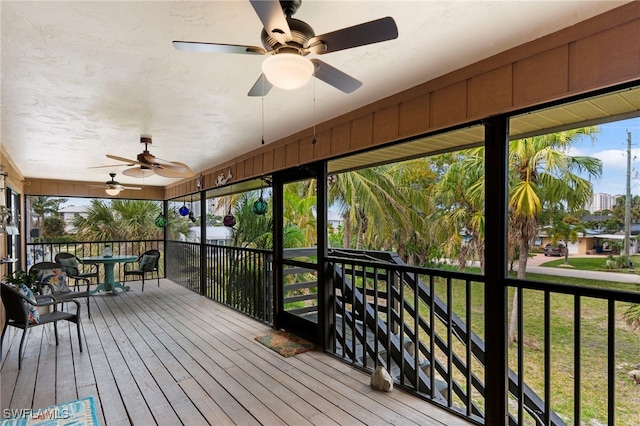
x: 290, y: 40
x: 112, y: 187
x: 147, y: 164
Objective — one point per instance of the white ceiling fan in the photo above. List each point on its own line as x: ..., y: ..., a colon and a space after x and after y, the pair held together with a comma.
x: 287, y: 42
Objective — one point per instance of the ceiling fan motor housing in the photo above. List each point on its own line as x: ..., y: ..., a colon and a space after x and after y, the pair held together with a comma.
x: 301, y: 32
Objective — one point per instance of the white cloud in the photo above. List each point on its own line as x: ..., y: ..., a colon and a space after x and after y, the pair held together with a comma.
x: 613, y: 158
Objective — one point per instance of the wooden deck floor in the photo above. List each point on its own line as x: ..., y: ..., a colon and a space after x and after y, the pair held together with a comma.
x: 169, y: 356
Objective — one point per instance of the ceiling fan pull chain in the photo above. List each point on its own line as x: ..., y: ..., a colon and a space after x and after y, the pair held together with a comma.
x: 314, y: 141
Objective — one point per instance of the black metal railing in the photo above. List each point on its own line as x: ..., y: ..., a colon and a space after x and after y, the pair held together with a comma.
x: 587, y: 323
x: 386, y: 315
x: 426, y: 327
x: 183, y: 264
x: 241, y: 278
x: 46, y: 251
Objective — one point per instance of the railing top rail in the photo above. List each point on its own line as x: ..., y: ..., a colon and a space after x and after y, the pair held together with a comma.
x: 35, y: 243
x: 409, y: 269
x: 585, y: 291
x: 247, y: 249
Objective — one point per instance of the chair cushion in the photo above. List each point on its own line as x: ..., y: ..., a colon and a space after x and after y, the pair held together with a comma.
x: 34, y: 315
x: 70, y: 265
x: 56, y: 277
x: 148, y: 262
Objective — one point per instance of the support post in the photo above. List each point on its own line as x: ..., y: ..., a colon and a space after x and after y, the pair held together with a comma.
x: 495, y: 290
x: 278, y: 250
x: 203, y: 243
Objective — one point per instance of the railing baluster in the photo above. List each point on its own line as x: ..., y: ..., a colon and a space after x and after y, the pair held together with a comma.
x: 449, y: 343
x: 520, y: 320
x: 401, y: 331
x: 547, y: 357
x: 432, y: 337
x: 468, y: 359
x: 611, y: 358
x: 577, y: 354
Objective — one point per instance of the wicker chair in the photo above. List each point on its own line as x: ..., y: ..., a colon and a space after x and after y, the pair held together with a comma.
x: 147, y: 263
x: 47, y: 269
x: 76, y: 270
x: 17, y: 308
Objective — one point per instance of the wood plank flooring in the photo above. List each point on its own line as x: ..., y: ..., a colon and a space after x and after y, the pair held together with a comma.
x: 168, y: 356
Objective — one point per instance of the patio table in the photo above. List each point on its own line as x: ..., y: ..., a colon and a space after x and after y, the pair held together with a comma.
x: 109, y: 284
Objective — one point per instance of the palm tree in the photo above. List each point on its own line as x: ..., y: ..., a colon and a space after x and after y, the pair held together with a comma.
x: 459, y: 222
x: 542, y: 173
x: 251, y: 230
x: 44, y: 206
x: 127, y: 220
x: 567, y: 229
x: 371, y: 205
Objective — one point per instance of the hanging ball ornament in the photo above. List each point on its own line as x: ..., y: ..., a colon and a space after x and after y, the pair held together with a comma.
x: 161, y: 221
x: 260, y: 206
x: 184, y: 210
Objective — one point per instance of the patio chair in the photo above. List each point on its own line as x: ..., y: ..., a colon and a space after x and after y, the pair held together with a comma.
x: 52, y: 279
x: 147, y: 263
x: 75, y: 269
x: 21, y: 312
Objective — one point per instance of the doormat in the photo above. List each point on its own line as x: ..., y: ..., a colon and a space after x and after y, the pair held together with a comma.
x: 285, y: 343
x: 77, y: 413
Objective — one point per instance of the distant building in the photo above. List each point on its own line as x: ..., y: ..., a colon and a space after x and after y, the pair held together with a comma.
x: 69, y: 213
x: 601, y: 201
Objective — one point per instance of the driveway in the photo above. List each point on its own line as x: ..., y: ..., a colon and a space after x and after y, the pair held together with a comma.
x: 533, y: 265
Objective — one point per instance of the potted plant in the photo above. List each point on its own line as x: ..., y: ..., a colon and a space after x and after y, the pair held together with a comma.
x: 22, y: 277
x: 31, y: 281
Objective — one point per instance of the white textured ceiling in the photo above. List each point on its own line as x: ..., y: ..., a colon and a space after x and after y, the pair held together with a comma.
x: 84, y: 79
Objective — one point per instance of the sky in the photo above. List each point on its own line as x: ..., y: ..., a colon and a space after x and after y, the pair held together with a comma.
x: 610, y: 147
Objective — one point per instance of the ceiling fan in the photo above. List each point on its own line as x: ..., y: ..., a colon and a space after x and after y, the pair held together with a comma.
x: 148, y: 164
x: 288, y: 41
x: 112, y: 187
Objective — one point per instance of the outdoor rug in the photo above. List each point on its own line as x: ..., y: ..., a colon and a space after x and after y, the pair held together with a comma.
x: 285, y: 343
x: 74, y: 413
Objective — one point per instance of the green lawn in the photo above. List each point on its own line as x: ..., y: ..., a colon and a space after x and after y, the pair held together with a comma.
x: 589, y: 263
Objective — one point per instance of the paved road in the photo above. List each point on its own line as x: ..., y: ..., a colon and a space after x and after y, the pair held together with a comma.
x: 533, y: 266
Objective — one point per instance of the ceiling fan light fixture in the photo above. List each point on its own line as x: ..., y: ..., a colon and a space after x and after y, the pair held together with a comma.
x: 138, y: 172
x: 287, y: 70
x: 112, y: 191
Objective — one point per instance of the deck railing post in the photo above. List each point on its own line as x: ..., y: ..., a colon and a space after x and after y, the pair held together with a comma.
x: 203, y: 244
x: 495, y: 290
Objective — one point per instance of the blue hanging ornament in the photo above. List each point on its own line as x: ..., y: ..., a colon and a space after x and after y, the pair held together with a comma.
x: 184, y: 210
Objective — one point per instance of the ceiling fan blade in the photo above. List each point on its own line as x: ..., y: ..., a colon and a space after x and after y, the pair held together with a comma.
x: 273, y: 19
x: 122, y: 187
x: 111, y: 165
x: 171, y: 173
x: 261, y: 87
x: 382, y: 29
x: 124, y: 160
x: 156, y: 163
x: 335, y: 77
x: 138, y: 172
x: 195, y: 46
